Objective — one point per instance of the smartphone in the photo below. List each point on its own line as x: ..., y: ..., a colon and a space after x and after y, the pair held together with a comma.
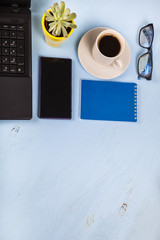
x: 55, y: 88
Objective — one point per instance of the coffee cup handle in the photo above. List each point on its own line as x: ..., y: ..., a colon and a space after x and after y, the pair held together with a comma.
x: 117, y: 63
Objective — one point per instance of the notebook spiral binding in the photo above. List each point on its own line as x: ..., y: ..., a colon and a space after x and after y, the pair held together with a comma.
x: 135, y: 102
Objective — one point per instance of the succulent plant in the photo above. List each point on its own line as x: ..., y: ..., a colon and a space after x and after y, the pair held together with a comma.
x: 59, y: 19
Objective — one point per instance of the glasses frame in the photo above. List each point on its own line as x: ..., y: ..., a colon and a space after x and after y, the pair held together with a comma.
x: 149, y: 52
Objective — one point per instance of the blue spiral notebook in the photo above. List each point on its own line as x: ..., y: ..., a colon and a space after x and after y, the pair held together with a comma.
x: 112, y: 101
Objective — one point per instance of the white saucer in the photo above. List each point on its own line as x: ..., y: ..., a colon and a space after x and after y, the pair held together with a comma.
x: 94, y: 68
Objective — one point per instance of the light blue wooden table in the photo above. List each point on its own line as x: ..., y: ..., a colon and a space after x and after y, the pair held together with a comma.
x: 85, y: 180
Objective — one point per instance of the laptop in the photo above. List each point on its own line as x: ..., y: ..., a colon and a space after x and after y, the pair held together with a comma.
x: 15, y: 60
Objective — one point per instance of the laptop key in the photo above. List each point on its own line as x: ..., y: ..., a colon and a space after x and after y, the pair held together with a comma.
x: 5, y: 42
x: 13, y: 60
x: 5, y: 68
x: 0, y: 34
x: 5, y: 51
x: 13, y: 51
x: 13, y: 43
x: 20, y: 60
x: 5, y: 34
x: 5, y: 59
x: 0, y: 51
x: 20, y: 34
x: 0, y: 60
x: 13, y: 27
x: 4, y: 26
x: 13, y: 68
x: 20, y: 47
x: 13, y: 34
x: 20, y: 69
x: 20, y: 27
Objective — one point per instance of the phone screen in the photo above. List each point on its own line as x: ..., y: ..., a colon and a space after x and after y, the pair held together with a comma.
x: 55, y: 88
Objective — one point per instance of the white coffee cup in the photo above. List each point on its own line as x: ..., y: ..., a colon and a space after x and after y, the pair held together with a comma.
x: 105, y: 60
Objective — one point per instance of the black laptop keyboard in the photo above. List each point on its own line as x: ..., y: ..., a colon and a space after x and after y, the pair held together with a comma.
x: 12, y: 49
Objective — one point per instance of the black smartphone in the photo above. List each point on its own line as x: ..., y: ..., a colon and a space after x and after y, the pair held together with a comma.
x: 55, y: 88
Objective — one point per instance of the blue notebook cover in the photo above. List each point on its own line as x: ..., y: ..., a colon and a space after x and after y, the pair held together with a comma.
x: 113, y: 101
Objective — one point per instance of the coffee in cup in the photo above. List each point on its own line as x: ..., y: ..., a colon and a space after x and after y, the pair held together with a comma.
x: 109, y: 45
x: 108, y: 48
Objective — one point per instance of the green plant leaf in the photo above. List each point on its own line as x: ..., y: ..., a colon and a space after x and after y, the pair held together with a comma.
x: 57, y: 9
x: 50, y: 19
x: 66, y: 12
x: 72, y: 25
x: 64, y: 32
x: 54, y: 31
x: 52, y: 26
x: 53, y: 10
x: 56, y: 6
x: 58, y: 30
x: 70, y: 17
x: 68, y: 24
x: 47, y: 14
x: 62, y: 8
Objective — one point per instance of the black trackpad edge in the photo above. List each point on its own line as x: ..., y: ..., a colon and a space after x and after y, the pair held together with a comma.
x: 15, y: 98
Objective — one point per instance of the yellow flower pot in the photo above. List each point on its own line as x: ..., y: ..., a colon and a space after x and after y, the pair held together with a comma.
x: 50, y: 39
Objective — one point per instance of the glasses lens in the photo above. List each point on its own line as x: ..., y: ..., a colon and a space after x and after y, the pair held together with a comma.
x: 146, y: 36
x: 145, y: 65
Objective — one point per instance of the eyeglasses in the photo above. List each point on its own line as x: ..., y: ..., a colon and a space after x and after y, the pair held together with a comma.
x: 145, y: 64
